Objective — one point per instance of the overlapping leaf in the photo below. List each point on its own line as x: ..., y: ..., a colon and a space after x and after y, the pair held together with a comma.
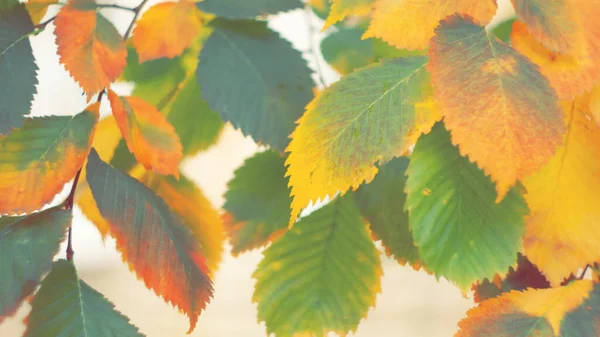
x: 18, y: 71
x: 373, y: 114
x: 569, y: 311
x: 462, y: 234
x: 165, y: 30
x: 257, y: 202
x: 409, y: 24
x: 154, y: 242
x: 381, y: 203
x: 27, y: 246
x: 503, y: 30
x: 342, y: 8
x: 37, y: 8
x: 562, y: 228
x: 502, y: 112
x: 322, y: 275
x: 234, y: 9
x: 67, y: 306
x: 38, y: 159
x: 89, y: 46
x: 148, y: 133
x: 242, y: 81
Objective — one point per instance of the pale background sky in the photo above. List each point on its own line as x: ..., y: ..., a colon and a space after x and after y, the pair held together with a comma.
x: 411, y: 303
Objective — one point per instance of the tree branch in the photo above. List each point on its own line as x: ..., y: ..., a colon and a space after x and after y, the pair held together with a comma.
x: 136, y: 12
x: 582, y: 275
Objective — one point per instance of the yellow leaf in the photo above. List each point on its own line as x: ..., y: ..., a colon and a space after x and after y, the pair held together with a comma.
x: 148, y: 133
x: 89, y: 46
x: 37, y: 9
x: 342, y: 8
x: 562, y: 229
x: 165, y: 30
x: 409, y: 24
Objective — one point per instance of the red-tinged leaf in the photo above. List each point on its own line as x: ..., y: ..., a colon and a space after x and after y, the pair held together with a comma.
x: 89, y: 46
x: 155, y: 244
x: 41, y: 157
x: 165, y: 30
x: 501, y: 111
x: 148, y: 133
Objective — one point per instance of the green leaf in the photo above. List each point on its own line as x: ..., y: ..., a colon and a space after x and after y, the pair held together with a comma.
x: 156, y: 245
x: 381, y: 203
x: 67, y: 306
x: 257, y: 202
x: 322, y: 275
x: 122, y: 159
x: 241, y: 79
x: 18, y: 71
x: 503, y: 30
x: 247, y: 9
x: 321, y: 8
x: 461, y: 232
x: 27, y: 247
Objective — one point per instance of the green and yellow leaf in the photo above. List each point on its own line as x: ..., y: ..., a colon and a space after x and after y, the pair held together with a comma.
x: 37, y: 9
x: 89, y: 46
x: 373, y: 114
x: 322, y: 275
x: 462, y: 234
x: 257, y: 202
x: 158, y: 247
x: 40, y: 158
x: 247, y: 9
x: 66, y: 304
x: 501, y: 111
x: 341, y: 8
x: 27, y: 247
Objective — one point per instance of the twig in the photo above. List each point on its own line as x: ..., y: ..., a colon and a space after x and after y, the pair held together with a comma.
x: 582, y: 275
x: 311, y: 48
x: 116, y: 7
x: 136, y: 12
x: 42, y: 25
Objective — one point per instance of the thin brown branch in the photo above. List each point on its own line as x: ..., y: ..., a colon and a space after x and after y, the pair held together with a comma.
x: 42, y: 25
x: 116, y: 7
x: 136, y: 14
x: 582, y: 275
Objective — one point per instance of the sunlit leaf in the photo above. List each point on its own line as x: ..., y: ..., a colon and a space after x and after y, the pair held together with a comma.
x: 321, y: 8
x: 165, y: 30
x: 235, y: 9
x: 67, y: 306
x: 562, y: 229
x: 342, y: 8
x: 241, y: 80
x: 409, y: 24
x: 89, y: 46
x: 27, y: 247
x: 462, y: 234
x: 18, y: 70
x: 381, y: 203
x: 503, y: 30
x: 257, y: 202
x: 373, y: 114
x: 40, y: 158
x: 569, y: 311
x: 37, y: 8
x: 148, y: 133
x: 322, y: 275
x: 153, y: 241
x: 501, y: 111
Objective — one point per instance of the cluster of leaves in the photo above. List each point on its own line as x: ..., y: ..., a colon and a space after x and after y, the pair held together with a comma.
x: 472, y: 154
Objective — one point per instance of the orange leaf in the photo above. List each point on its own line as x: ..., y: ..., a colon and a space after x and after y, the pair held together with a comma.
x: 562, y: 232
x: 409, y: 24
x: 501, y: 111
x: 149, y: 136
x: 89, y: 46
x: 165, y: 30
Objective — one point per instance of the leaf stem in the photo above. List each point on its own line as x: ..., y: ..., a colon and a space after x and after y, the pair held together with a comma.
x: 136, y: 12
x: 311, y: 48
x: 42, y: 25
x: 116, y: 7
x: 582, y: 275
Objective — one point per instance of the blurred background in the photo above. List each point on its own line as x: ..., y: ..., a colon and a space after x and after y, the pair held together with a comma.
x: 411, y: 303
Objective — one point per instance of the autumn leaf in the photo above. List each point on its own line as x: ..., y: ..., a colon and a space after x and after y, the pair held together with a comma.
x: 462, y: 234
x: 247, y: 9
x: 239, y: 78
x: 381, y: 203
x: 18, y: 70
x: 373, y: 114
x: 27, y: 247
x: 342, y: 8
x: 148, y: 133
x: 89, y: 46
x: 257, y: 202
x: 568, y: 75
x: 501, y: 111
x: 322, y: 275
x: 562, y: 232
x: 152, y: 240
x: 569, y: 311
x: 165, y: 30
x: 195, y: 211
x: 524, y: 276
x: 410, y: 24
x: 504, y: 29
x: 85, y: 311
x: 37, y: 8
x: 41, y: 157
x: 321, y: 8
